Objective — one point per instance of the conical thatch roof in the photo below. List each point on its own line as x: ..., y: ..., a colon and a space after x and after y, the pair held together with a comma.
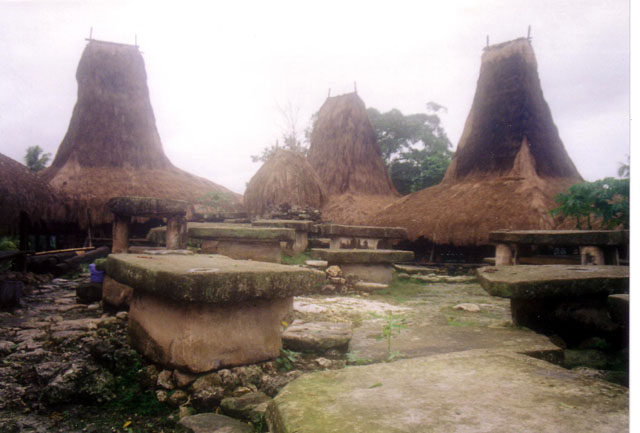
x: 112, y: 146
x: 286, y: 177
x: 346, y: 157
x: 509, y: 164
x: 22, y: 191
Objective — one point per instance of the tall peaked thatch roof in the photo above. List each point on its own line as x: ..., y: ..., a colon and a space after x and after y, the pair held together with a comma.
x: 21, y: 191
x: 343, y: 149
x: 286, y: 177
x: 346, y: 157
x: 112, y: 146
x: 509, y: 164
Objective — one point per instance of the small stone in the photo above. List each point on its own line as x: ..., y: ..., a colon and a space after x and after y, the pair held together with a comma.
x: 178, y: 398
x: 337, y: 281
x: 93, y: 307
x: 207, y: 381
x: 165, y: 381
x: 162, y: 395
x: 207, y: 399
x: 183, y: 380
x: 318, y: 264
x: 6, y: 347
x: 328, y: 288
x: 213, y: 423
x: 403, y: 275
x: 250, y: 407
x: 122, y: 315
x: 471, y: 308
x: 334, y: 271
x: 149, y: 376
x: 324, y: 362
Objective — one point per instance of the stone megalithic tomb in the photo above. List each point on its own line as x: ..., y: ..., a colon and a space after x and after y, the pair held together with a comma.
x: 238, y: 241
x: 203, y: 312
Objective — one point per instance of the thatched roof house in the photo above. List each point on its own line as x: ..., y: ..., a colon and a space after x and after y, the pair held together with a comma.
x: 285, y: 178
x: 112, y: 147
x: 25, y: 198
x: 345, y: 155
x: 508, y: 166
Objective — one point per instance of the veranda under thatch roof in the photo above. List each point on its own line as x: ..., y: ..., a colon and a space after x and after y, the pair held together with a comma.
x: 285, y: 178
x: 345, y: 155
x: 112, y: 146
x: 509, y: 164
x: 22, y: 192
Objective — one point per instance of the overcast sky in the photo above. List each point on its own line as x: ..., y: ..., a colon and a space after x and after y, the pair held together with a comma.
x: 217, y: 74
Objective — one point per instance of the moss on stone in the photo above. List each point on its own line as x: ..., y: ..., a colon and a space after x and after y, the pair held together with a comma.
x: 528, y: 282
x: 211, y: 278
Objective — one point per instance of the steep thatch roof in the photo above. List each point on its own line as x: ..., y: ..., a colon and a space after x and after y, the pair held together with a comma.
x: 112, y: 146
x: 509, y: 164
x: 286, y: 177
x: 343, y: 149
x: 22, y: 191
x: 346, y: 157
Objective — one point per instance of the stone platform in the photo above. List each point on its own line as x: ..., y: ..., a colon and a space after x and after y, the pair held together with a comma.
x: 301, y: 227
x: 560, y: 299
x: 362, y: 237
x: 204, y: 312
x: 238, y: 241
x: 489, y: 391
x: 366, y: 264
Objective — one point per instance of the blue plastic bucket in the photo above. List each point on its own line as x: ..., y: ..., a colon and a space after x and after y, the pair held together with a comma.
x: 96, y: 275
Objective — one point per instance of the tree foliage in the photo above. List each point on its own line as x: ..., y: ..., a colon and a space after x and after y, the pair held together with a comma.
x: 291, y: 138
x: 35, y: 159
x: 605, y: 200
x: 415, y: 147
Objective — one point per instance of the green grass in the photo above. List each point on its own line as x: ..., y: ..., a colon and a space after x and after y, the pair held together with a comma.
x: 402, y: 290
x: 298, y: 259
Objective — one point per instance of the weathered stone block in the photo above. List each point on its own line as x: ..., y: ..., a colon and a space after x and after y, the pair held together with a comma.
x: 116, y: 295
x: 317, y: 336
x: 200, y: 337
x: 339, y: 257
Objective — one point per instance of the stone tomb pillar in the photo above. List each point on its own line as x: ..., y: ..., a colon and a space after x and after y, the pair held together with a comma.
x: 504, y: 255
x: 201, y: 312
x: 591, y: 255
x: 121, y: 228
x: 176, y: 232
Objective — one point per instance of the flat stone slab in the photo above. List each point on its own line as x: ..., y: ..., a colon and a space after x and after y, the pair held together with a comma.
x: 413, y: 269
x: 211, y: 278
x: 317, y: 336
x: 362, y: 256
x: 213, y: 423
x: 470, y: 391
x: 147, y: 206
x: 333, y: 230
x: 561, y: 237
x: 227, y: 232
x: 529, y: 282
x: 298, y: 225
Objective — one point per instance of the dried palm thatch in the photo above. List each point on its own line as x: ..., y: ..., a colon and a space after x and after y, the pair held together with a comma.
x: 285, y: 178
x: 22, y: 192
x: 346, y: 157
x: 112, y: 146
x: 343, y: 149
x: 509, y: 164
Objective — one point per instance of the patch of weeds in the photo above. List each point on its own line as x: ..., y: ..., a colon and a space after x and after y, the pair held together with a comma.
x: 298, y: 259
x: 353, y: 358
x: 131, y: 397
x: 286, y: 359
x: 453, y: 321
x: 393, y: 323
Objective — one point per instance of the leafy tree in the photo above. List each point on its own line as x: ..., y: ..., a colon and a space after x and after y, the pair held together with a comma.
x: 625, y: 169
x: 415, y: 147
x: 605, y: 200
x: 35, y: 159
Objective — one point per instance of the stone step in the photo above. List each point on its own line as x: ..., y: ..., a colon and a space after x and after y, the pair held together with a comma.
x: 317, y: 336
x: 458, y: 392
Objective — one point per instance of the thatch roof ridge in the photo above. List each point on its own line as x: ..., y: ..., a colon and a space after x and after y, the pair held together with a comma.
x: 509, y: 164
x: 286, y: 177
x: 112, y: 146
x: 508, y: 107
x: 343, y: 150
x: 22, y: 191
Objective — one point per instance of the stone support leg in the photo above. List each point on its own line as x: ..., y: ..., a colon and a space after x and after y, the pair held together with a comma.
x: 504, y: 255
x: 591, y: 256
x: 121, y: 226
x: 176, y: 236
